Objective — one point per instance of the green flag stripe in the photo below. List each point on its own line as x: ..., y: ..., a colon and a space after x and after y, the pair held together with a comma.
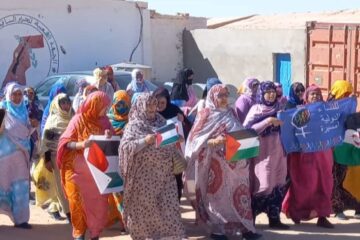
x: 170, y: 140
x: 116, y: 180
x: 246, y: 153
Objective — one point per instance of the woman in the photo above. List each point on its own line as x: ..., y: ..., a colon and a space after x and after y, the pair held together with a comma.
x: 309, y: 195
x: 214, y: 185
x: 88, y: 208
x: 210, y: 82
x: 150, y: 197
x: 32, y: 101
x: 111, y: 79
x: 138, y: 84
x: 118, y: 116
x: 247, y: 98
x: 55, y: 90
x: 35, y: 110
x: 58, y: 120
x: 182, y: 94
x: 79, y: 96
x: 342, y: 199
x: 119, y: 111
x: 268, y: 170
x: 296, y: 95
x: 101, y: 82
x: 169, y: 111
x: 282, y: 101
x: 14, y: 158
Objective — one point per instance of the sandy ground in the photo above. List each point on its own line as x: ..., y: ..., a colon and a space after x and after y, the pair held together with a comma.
x: 45, y: 228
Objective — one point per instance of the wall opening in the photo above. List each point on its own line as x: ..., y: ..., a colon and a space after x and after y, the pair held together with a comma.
x: 282, y: 71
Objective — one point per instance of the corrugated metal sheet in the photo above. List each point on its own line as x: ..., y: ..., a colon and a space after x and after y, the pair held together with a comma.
x: 333, y: 54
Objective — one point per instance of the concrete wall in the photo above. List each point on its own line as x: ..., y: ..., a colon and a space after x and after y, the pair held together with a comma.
x: 74, y: 35
x: 167, y: 43
x: 234, y: 55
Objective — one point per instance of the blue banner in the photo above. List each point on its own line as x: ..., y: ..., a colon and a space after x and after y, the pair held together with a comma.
x: 315, y: 127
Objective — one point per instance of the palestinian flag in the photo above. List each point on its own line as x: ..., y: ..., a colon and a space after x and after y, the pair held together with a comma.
x: 242, y: 144
x: 167, y: 135
x: 103, y: 161
x: 348, y: 153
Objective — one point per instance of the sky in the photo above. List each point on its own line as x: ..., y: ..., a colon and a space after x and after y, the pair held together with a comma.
x: 233, y: 8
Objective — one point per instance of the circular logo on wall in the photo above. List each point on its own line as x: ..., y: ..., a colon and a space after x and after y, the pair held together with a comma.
x: 30, y: 52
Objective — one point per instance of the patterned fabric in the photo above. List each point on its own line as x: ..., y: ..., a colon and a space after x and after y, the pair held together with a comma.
x: 88, y: 208
x: 14, y: 160
x: 218, y: 190
x: 151, y: 208
x: 119, y: 111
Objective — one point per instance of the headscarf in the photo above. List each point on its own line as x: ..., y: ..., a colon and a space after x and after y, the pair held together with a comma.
x: 263, y: 109
x: 264, y: 87
x: 293, y: 98
x: 58, y: 118
x: 137, y: 128
x: 279, y: 90
x: 171, y: 110
x: 137, y: 87
x: 100, y: 76
x: 210, y: 82
x: 179, y: 90
x: 89, y: 89
x: 340, y: 88
x: 55, y: 90
x: 18, y: 111
x: 310, y: 89
x: 119, y: 111
x: 35, y: 102
x: 248, y: 86
x: 210, y: 122
x: 86, y: 122
x: 57, y: 121
x: 110, y: 80
x: 82, y: 84
x: 134, y: 97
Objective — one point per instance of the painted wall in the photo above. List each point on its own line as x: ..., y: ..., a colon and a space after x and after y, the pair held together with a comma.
x: 233, y: 55
x: 42, y: 37
x: 167, y: 43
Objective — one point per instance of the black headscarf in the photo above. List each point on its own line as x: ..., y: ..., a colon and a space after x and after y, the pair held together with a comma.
x: 172, y: 110
x: 179, y: 90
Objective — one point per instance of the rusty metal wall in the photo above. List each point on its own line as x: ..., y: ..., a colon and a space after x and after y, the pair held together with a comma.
x: 333, y: 54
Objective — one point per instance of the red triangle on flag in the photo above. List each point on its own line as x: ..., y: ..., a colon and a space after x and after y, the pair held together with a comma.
x: 97, y: 157
x: 231, y: 147
x: 159, y: 139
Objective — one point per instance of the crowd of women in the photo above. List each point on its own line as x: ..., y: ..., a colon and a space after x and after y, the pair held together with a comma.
x: 227, y: 196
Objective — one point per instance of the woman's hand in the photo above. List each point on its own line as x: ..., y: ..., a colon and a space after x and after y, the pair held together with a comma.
x: 85, y: 144
x: 180, y: 117
x: 150, y: 139
x: 108, y: 134
x: 216, y: 141
x: 275, y: 122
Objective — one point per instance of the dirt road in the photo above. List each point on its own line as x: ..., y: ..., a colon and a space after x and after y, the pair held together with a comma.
x: 44, y: 228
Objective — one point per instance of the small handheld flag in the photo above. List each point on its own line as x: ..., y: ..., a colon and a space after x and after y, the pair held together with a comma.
x: 242, y: 144
x: 166, y: 135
